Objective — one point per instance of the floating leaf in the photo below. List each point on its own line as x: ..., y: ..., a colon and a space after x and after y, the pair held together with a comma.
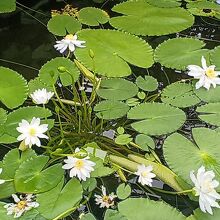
x: 7, y: 6
x: 63, y: 24
x: 210, y: 113
x: 135, y: 209
x: 145, y: 142
x: 113, y: 49
x: 113, y: 215
x: 148, y: 83
x: 178, y: 150
x: 178, y: 53
x: 123, y: 139
x: 31, y: 177
x: 111, y: 109
x: 90, y: 184
x: 3, y: 116
x: 26, y: 113
x: 88, y: 216
x: 215, y: 56
x: 143, y: 19
x: 61, y: 199
x: 199, y: 215
x: 156, y: 118
x: 93, y: 16
x: 13, y: 88
x: 165, y: 3
x: 123, y: 191
x: 117, y: 89
x: 180, y: 95
x: 50, y: 71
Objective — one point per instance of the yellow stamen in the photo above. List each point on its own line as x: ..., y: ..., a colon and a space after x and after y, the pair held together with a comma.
x: 21, y: 204
x: 79, y: 164
x: 144, y: 173
x: 32, y: 131
x: 210, y: 73
x: 69, y: 37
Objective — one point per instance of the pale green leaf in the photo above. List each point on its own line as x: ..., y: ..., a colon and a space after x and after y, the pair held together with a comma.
x: 145, y: 142
x: 7, y: 6
x: 123, y: 191
x: 148, y: 83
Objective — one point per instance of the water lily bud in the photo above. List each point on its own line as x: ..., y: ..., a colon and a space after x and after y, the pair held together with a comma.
x: 22, y: 146
x: 62, y: 69
x: 91, y: 53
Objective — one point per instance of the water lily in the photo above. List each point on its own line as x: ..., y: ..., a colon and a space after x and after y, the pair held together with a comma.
x: 41, y: 96
x: 32, y: 132
x: 205, y: 189
x: 105, y: 200
x: 80, y: 168
x: 21, y: 205
x: 69, y: 41
x: 206, y: 74
x: 1, y: 181
x: 145, y: 175
x: 218, y: 2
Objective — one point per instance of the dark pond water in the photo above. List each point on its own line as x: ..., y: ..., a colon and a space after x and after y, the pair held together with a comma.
x: 26, y: 44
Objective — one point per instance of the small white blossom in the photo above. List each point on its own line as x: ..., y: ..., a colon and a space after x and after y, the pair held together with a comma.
x: 1, y: 181
x: 80, y: 168
x: 41, y: 96
x: 205, y: 189
x: 32, y: 132
x: 105, y: 200
x: 145, y: 175
x: 207, y: 75
x: 69, y: 41
x: 218, y: 2
x: 21, y: 205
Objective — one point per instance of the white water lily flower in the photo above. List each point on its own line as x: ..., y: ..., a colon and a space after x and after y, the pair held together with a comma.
x: 80, y: 168
x: 41, y: 96
x: 32, y: 132
x: 21, y: 205
x: 105, y: 200
x: 1, y: 181
x: 207, y: 75
x: 70, y: 41
x: 218, y: 2
x: 145, y: 175
x: 205, y: 189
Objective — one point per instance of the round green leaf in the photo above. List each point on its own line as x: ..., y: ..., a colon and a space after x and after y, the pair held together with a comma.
x: 123, y: 191
x: 183, y: 156
x: 199, y: 215
x: 26, y: 113
x: 117, y: 89
x: 180, y: 95
x: 49, y: 72
x: 111, y: 109
x: 140, y: 209
x: 165, y: 3
x: 60, y: 199
x: 178, y: 53
x: 123, y: 139
x: 148, y: 83
x: 156, y: 118
x: 3, y: 116
x: 88, y: 216
x: 215, y: 57
x: 113, y: 215
x: 13, y: 88
x: 63, y: 24
x: 113, y: 49
x: 31, y: 177
x: 93, y: 16
x: 145, y: 142
x: 7, y: 6
x: 143, y: 19
x: 210, y: 113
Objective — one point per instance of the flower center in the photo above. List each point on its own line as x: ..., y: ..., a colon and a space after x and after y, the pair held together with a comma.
x: 106, y: 199
x: 32, y: 131
x: 69, y: 37
x: 21, y: 204
x: 144, y: 173
x: 79, y: 164
x: 210, y: 73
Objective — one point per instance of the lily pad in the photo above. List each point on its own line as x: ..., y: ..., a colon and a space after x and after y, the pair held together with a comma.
x: 111, y: 109
x: 13, y: 88
x: 148, y: 83
x: 108, y: 52
x: 61, y: 25
x: 93, y: 16
x: 210, y: 113
x: 205, y: 151
x: 156, y: 118
x: 215, y: 56
x: 178, y: 53
x: 180, y: 95
x: 117, y: 89
x: 141, y: 18
x: 145, y: 142
x: 165, y: 3
x: 7, y: 6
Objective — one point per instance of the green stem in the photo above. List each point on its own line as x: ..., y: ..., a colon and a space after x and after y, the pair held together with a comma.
x: 173, y: 193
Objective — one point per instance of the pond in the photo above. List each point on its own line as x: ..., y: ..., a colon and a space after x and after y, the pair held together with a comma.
x: 110, y: 109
